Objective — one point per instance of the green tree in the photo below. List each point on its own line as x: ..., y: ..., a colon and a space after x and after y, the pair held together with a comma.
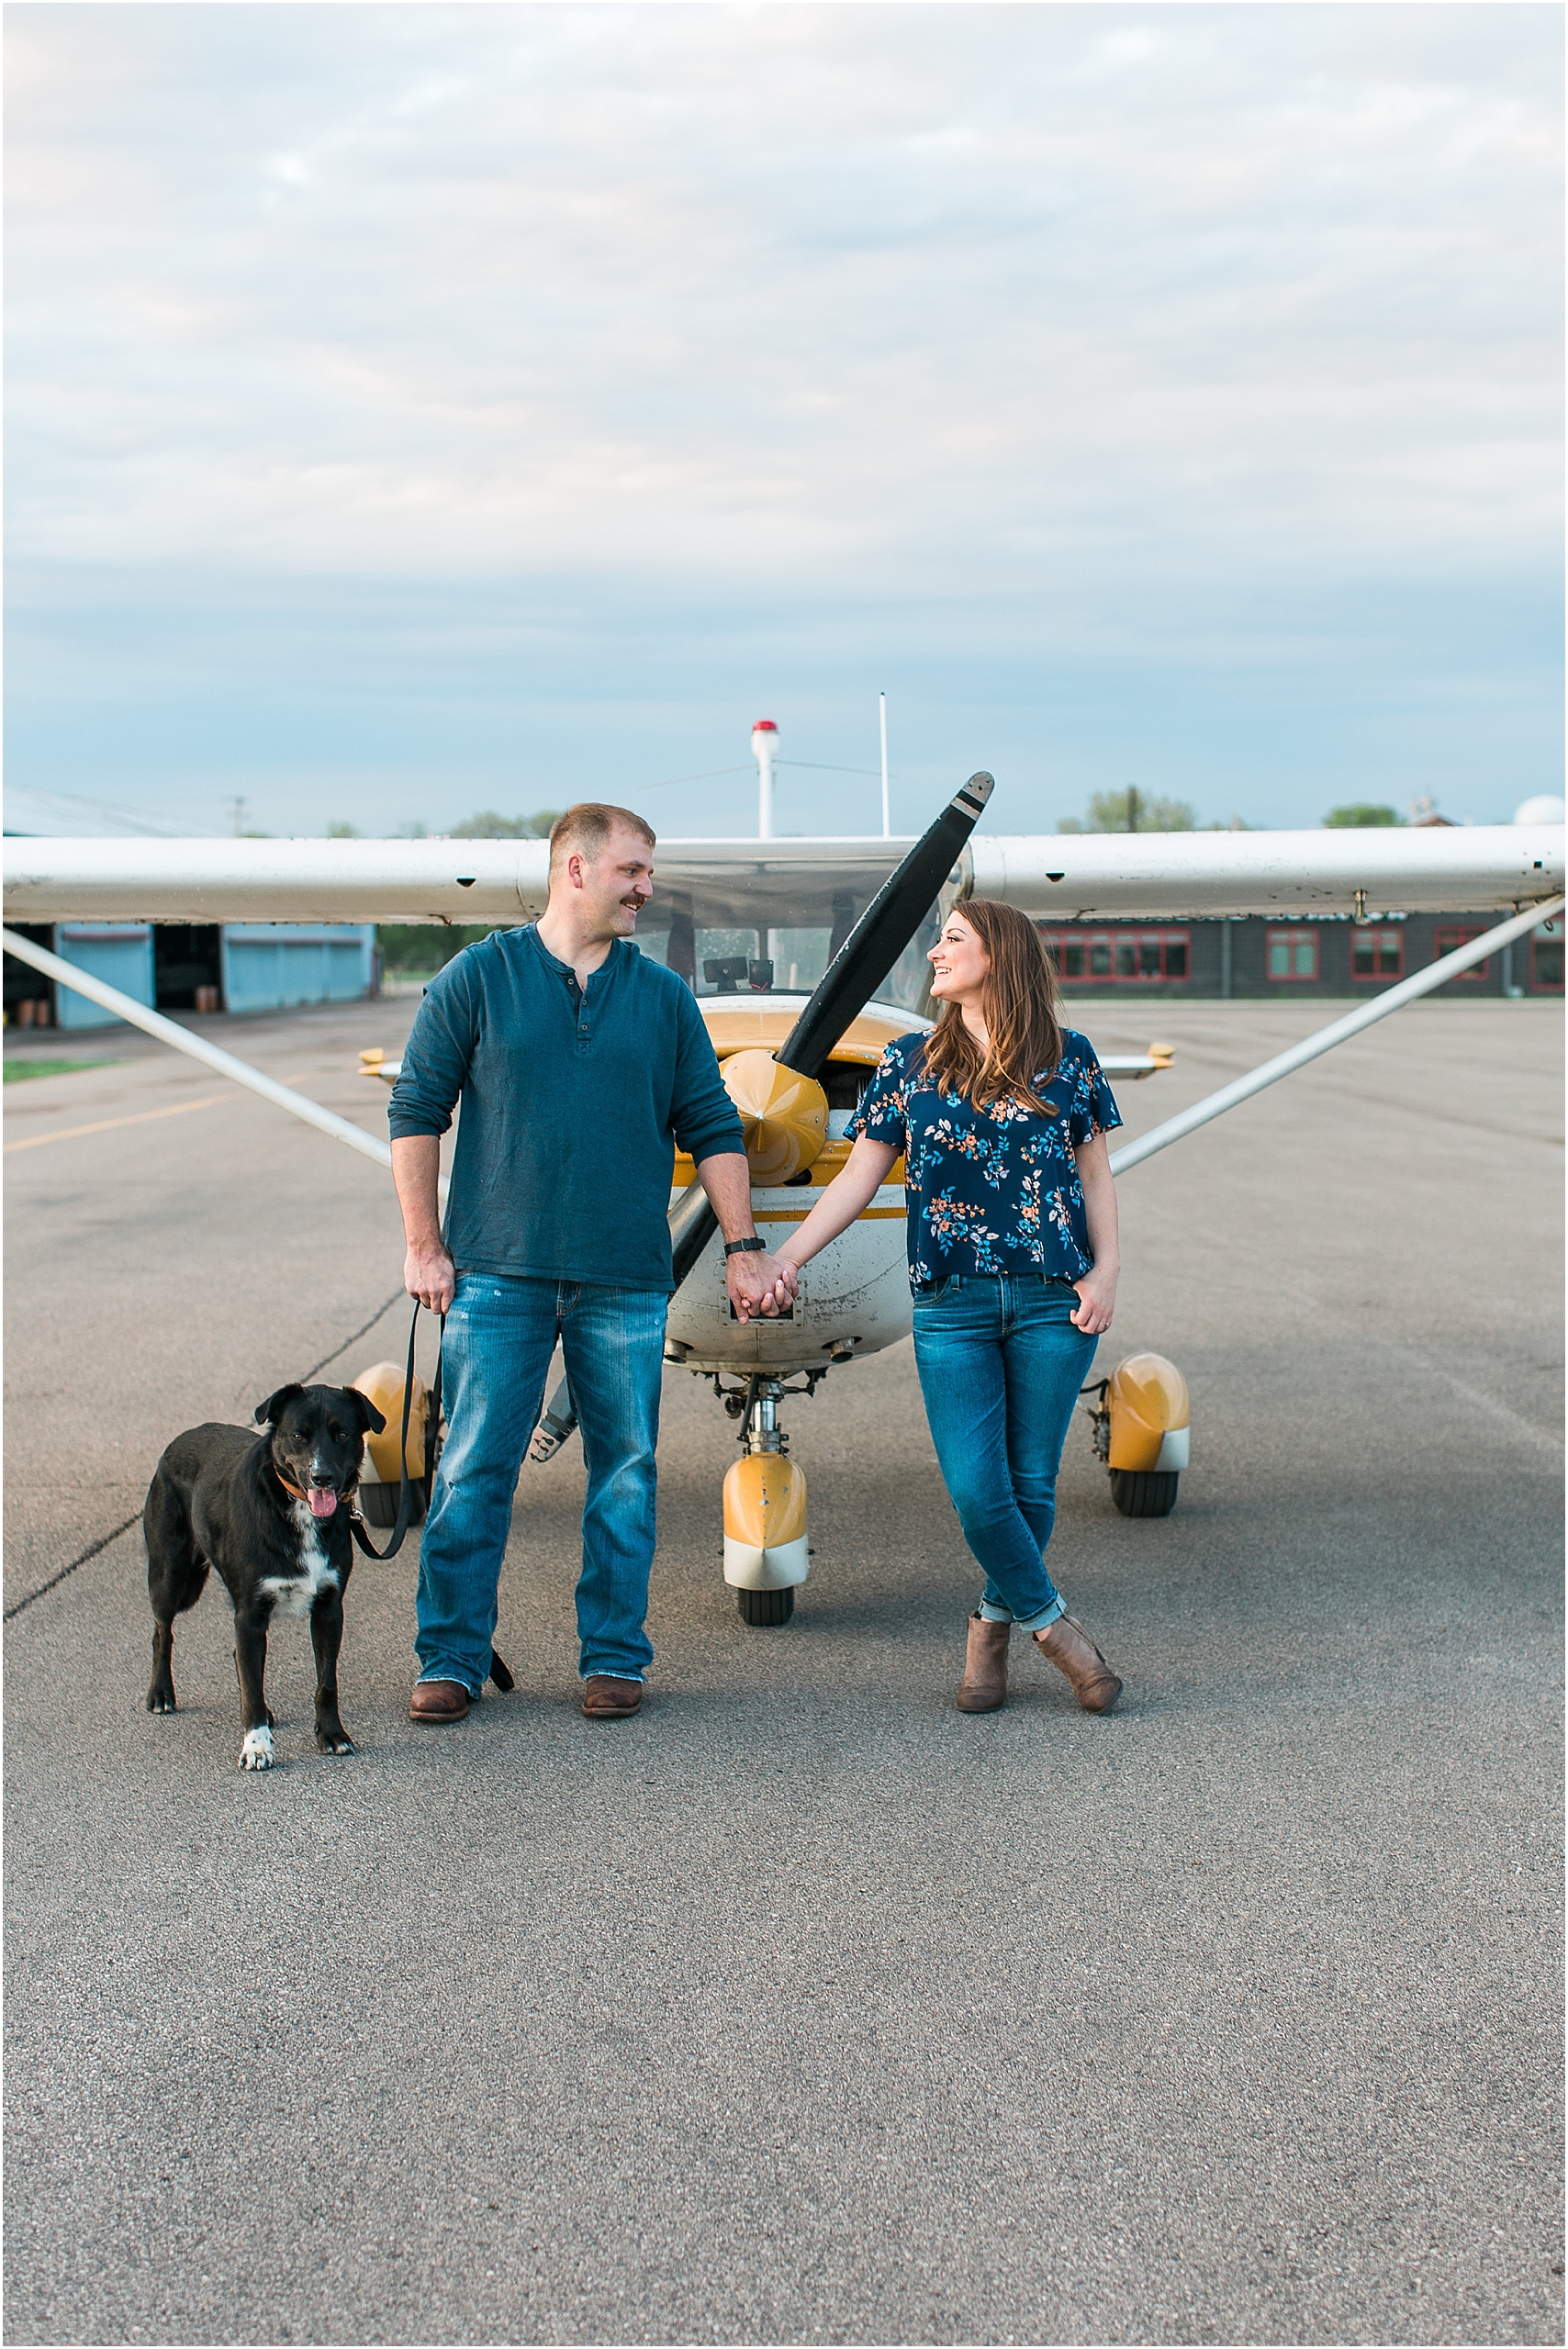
x: 488, y: 825
x: 1133, y: 810
x: 419, y: 949
x: 1360, y: 816
x: 343, y: 831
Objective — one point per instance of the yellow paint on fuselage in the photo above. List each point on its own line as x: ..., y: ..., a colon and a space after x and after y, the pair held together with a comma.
x: 735, y: 1025
x: 827, y: 1163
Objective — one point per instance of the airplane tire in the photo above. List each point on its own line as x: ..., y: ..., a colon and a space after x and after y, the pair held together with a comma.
x: 765, y: 1608
x: 379, y: 1503
x: 1141, y: 1493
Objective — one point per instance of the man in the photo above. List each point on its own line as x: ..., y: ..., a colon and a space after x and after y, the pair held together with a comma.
x: 582, y: 1065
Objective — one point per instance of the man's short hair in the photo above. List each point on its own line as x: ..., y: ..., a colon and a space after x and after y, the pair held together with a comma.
x: 588, y: 827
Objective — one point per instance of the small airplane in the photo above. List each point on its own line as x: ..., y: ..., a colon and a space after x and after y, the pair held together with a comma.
x: 795, y: 1063
x: 795, y: 1067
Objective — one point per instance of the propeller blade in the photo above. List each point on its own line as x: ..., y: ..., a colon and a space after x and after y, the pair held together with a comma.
x: 872, y: 948
x: 883, y: 930
x: 691, y: 1225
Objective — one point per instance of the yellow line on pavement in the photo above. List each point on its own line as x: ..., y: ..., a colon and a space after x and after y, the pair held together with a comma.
x: 103, y: 1124
x: 138, y: 1117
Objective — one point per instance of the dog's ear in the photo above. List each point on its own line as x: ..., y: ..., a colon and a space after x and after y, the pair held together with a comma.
x: 370, y: 1419
x: 277, y: 1404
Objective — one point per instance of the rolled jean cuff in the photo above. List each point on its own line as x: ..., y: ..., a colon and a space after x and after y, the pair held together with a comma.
x: 1040, y: 1622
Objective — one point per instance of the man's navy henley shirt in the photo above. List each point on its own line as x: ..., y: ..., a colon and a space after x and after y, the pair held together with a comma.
x: 573, y: 1101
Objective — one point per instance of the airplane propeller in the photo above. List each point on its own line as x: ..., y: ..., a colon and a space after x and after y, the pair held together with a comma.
x: 889, y: 923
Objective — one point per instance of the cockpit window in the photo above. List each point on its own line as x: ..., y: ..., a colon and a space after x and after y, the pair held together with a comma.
x: 719, y: 957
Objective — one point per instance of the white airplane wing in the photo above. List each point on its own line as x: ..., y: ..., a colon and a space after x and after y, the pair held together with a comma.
x: 789, y: 884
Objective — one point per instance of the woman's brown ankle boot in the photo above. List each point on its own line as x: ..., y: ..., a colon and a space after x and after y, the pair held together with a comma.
x: 984, y: 1684
x: 1072, y: 1652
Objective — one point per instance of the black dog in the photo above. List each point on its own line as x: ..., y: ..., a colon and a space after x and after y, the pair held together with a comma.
x: 271, y: 1513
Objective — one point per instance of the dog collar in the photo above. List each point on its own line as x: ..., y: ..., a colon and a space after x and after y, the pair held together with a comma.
x: 285, y: 1485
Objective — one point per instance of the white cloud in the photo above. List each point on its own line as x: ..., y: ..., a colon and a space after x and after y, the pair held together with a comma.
x: 1041, y: 314
x: 527, y: 288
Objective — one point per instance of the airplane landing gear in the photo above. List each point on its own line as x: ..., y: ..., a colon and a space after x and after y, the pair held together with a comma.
x: 763, y: 1608
x: 767, y: 1555
x: 1143, y: 1494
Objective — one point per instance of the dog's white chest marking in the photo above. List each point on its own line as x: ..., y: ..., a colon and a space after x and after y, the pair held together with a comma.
x: 256, y: 1753
x: 297, y: 1593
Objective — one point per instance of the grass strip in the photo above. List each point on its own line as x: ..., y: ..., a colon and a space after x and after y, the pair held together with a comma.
x: 18, y: 1068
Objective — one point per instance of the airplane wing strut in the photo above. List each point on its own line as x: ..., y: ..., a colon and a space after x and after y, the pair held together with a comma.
x: 1393, y: 998
x: 239, y: 1073
x: 1188, y: 1121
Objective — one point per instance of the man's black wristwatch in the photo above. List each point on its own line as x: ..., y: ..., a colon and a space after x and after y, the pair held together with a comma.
x: 754, y: 1246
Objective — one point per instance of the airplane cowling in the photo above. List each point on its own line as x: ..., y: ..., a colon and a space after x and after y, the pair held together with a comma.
x: 854, y: 1297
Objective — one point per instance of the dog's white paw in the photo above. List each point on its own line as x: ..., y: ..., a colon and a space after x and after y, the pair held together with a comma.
x: 256, y: 1753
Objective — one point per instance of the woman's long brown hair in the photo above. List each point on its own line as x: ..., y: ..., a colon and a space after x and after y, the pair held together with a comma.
x: 1019, y: 1006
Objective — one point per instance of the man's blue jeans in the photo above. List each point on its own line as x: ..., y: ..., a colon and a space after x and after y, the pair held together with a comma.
x: 1001, y: 1365
x: 496, y: 1357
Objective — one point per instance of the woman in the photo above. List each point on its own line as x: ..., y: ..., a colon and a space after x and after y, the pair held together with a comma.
x: 1000, y: 1116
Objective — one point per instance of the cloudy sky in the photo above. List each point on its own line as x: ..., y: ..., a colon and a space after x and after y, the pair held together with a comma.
x: 413, y: 409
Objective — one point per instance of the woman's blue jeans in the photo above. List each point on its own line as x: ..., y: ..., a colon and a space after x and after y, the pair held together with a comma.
x: 496, y: 1357
x: 1001, y: 1365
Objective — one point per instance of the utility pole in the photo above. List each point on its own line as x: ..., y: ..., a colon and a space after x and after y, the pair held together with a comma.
x: 1132, y: 807
x: 237, y: 811
x: 882, y: 708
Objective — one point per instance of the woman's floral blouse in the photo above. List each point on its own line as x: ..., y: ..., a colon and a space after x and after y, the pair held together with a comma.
x: 992, y: 1190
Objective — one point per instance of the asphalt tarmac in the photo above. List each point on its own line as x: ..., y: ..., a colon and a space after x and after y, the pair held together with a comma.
x: 803, y: 2008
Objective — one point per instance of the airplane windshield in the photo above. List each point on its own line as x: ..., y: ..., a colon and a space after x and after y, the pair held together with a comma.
x: 714, y: 939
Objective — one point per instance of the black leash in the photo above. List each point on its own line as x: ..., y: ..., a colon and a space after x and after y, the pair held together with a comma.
x: 406, y: 1489
x: 498, y: 1672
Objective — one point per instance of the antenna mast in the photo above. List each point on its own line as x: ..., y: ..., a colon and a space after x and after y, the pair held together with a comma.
x: 763, y: 749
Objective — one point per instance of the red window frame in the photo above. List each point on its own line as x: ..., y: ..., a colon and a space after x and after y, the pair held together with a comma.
x: 1550, y: 937
x: 1130, y: 957
x: 1291, y: 940
x: 1447, y: 939
x: 1380, y: 939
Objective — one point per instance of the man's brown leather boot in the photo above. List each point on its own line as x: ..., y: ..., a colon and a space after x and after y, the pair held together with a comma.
x: 984, y: 1684
x: 605, y: 1698
x: 1072, y: 1652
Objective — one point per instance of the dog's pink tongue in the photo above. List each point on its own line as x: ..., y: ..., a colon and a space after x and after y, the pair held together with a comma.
x: 322, y: 1503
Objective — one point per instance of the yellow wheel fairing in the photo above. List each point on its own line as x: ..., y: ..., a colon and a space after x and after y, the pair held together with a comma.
x: 383, y: 1384
x: 1150, y: 1412
x: 783, y: 1115
x: 764, y: 1524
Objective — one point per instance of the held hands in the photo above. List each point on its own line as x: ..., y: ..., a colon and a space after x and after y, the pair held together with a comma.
x: 1096, y: 1301
x: 430, y: 1275
x: 758, y: 1286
